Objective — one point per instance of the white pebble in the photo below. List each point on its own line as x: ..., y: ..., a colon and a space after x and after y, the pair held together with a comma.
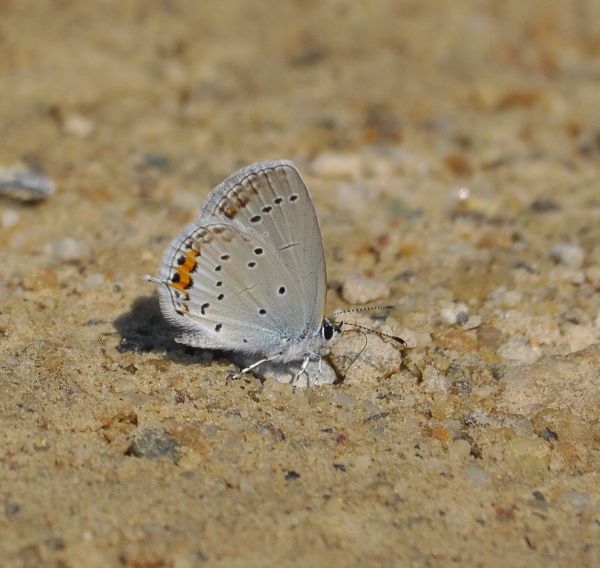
x: 25, y: 184
x: 505, y: 298
x: 358, y: 289
x: 94, y: 281
x: 472, y: 323
x: 342, y: 399
x: 519, y: 349
x: 9, y: 218
x: 476, y: 475
x: 361, y: 462
x: 579, y: 337
x: 434, y: 381
x: 78, y: 125
x: 344, y: 166
x: 454, y: 312
x: 459, y: 449
x: 67, y: 249
x: 569, y: 254
x: 575, y: 499
x: 512, y: 298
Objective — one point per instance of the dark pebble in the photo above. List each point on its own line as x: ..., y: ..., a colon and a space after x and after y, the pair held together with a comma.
x: 544, y: 205
x: 549, y: 435
x: 538, y: 495
x: 11, y: 509
x: 154, y: 444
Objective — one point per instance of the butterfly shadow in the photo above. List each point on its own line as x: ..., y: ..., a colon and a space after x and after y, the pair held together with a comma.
x: 144, y: 330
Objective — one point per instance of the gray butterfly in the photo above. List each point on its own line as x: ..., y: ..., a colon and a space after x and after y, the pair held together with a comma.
x: 248, y: 276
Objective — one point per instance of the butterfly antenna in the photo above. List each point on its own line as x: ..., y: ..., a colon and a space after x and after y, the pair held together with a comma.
x: 358, y: 354
x: 385, y: 308
x: 375, y: 331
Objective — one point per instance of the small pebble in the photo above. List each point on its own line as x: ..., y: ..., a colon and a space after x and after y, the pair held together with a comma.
x: 358, y: 289
x: 575, y: 499
x: 361, y: 463
x: 344, y: 166
x: 489, y: 337
x: 512, y: 298
x: 579, y: 337
x: 457, y: 340
x: 68, y: 249
x: 459, y: 449
x: 434, y: 381
x: 11, y: 509
x: 568, y: 254
x: 476, y: 475
x: 454, y: 313
x: 473, y: 322
x: 78, y: 125
x: 505, y: 298
x: 340, y: 398
x: 153, y: 444
x: 25, y: 184
x: 544, y: 205
x: 94, y: 281
x: 9, y: 218
x: 358, y: 362
x: 519, y: 349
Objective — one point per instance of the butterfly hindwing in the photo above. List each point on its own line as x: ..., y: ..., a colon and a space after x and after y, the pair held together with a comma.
x: 225, y: 291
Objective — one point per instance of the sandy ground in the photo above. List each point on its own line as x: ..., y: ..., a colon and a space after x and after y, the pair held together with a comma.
x: 452, y: 150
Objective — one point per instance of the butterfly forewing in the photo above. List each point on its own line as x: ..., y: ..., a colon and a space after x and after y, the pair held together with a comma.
x: 271, y: 201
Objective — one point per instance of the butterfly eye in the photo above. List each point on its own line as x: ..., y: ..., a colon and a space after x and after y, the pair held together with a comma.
x: 327, y: 330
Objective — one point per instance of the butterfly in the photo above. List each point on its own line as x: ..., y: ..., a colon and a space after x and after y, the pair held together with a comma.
x: 248, y: 276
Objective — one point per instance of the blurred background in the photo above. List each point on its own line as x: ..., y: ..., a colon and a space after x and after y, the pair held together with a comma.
x: 238, y: 81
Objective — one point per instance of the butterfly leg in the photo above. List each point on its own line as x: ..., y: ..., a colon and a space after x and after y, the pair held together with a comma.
x: 302, y: 370
x: 250, y: 367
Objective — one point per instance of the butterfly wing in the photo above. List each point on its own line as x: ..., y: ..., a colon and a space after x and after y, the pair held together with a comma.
x: 271, y: 201
x: 223, y: 289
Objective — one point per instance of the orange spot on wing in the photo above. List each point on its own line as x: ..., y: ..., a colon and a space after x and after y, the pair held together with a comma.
x: 183, y: 271
x: 179, y: 285
x: 190, y: 262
